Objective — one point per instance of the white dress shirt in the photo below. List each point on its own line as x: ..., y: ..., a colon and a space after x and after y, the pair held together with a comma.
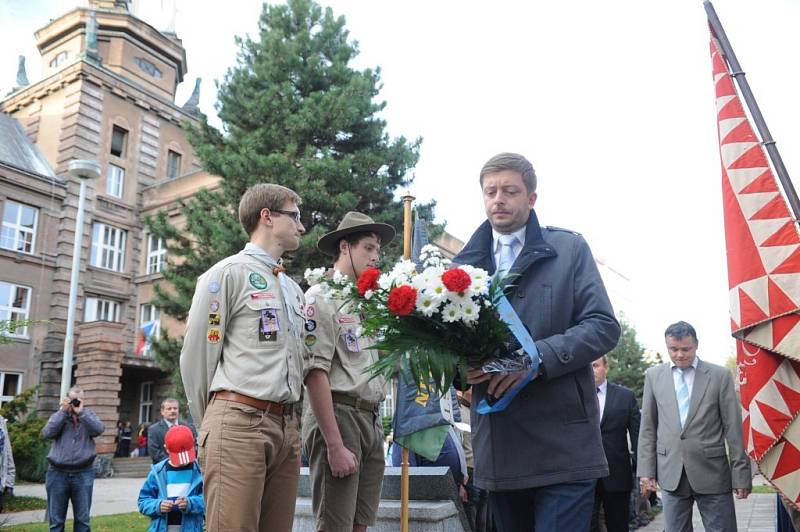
x: 515, y: 249
x: 688, y: 376
x: 602, y: 393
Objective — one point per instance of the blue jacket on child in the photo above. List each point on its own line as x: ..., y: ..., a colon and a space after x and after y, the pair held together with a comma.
x: 154, y: 491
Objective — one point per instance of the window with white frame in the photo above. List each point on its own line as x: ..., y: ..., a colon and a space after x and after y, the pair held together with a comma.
x: 115, y: 180
x: 145, y: 402
x: 149, y: 326
x: 98, y: 309
x: 10, y: 386
x: 108, y: 247
x: 156, y: 254
x: 18, y: 231
x: 15, y: 303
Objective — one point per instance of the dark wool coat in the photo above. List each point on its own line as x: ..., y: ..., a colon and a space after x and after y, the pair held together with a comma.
x: 550, y: 433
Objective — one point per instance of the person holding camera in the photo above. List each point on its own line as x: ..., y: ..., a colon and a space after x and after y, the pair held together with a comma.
x: 70, y: 476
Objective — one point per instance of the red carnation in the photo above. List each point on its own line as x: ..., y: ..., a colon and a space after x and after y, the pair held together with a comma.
x: 402, y: 300
x: 368, y: 280
x: 456, y: 280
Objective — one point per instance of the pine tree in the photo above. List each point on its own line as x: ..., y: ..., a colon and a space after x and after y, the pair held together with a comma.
x: 295, y: 113
x: 627, y: 363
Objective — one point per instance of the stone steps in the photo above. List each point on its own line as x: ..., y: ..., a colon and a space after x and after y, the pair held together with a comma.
x: 137, y: 467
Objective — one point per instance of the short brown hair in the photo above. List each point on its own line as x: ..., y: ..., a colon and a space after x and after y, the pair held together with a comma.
x: 353, y: 239
x: 263, y: 196
x: 514, y: 162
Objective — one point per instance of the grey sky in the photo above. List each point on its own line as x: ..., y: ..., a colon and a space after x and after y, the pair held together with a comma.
x: 612, y: 102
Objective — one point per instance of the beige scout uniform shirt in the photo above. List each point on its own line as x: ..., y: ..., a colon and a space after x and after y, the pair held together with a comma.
x: 333, y: 347
x: 238, y: 336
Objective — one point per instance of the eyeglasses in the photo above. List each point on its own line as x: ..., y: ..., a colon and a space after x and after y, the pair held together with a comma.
x: 293, y: 214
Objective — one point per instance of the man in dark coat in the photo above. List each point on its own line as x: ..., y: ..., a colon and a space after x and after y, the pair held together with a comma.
x: 157, y: 431
x: 540, y: 458
x: 619, y: 425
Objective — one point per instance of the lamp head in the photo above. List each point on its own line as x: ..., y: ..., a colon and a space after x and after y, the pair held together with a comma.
x: 84, y: 169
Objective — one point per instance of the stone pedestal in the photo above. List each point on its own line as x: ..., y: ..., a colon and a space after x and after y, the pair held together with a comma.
x: 434, y: 505
x: 98, y: 368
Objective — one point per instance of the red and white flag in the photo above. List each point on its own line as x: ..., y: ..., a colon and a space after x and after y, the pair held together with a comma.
x: 763, y: 248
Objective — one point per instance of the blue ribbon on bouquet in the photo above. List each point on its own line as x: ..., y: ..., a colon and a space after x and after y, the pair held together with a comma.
x: 510, y: 318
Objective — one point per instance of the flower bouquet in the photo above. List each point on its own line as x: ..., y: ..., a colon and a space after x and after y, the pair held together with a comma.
x: 431, y: 324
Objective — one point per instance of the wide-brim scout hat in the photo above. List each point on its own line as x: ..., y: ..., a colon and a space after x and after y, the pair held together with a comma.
x: 354, y: 222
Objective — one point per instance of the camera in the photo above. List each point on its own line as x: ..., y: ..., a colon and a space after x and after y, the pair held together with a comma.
x: 75, y: 402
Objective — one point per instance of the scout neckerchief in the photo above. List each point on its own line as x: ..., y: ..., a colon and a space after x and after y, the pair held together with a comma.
x: 258, y: 253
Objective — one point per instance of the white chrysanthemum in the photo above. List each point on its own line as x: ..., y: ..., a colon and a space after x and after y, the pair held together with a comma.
x: 386, y: 280
x: 426, y: 304
x: 487, y: 303
x: 405, y: 268
x: 368, y: 294
x: 339, y: 277
x: 469, y: 311
x: 451, y: 313
x: 314, y: 276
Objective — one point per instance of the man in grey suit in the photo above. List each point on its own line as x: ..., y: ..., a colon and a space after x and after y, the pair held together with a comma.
x: 689, y: 412
x: 158, y: 431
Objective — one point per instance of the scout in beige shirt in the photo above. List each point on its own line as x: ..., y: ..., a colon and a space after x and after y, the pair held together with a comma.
x: 242, y: 367
x: 343, y: 430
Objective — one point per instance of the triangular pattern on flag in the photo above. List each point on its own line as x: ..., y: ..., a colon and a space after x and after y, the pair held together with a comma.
x: 779, y: 302
x: 785, y: 236
x: 789, y: 455
x: 773, y: 210
x: 749, y: 310
x: 782, y: 326
x: 763, y: 183
x: 790, y: 265
x: 763, y: 252
x: 776, y: 419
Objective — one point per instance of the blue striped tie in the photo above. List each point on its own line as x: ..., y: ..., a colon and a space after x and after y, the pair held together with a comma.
x: 683, y: 396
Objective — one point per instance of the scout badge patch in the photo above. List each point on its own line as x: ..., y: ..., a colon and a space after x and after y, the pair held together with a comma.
x: 351, y: 340
x: 257, y: 281
x: 269, y: 320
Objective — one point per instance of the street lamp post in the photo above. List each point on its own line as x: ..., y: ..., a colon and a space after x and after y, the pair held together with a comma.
x: 83, y: 170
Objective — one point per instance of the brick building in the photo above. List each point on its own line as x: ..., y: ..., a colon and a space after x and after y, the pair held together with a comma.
x: 106, y: 93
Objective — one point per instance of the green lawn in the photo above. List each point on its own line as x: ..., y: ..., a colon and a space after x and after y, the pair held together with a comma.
x: 763, y: 489
x: 23, y: 504
x: 102, y: 523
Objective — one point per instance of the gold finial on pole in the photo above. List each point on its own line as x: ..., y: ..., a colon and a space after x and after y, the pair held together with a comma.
x: 408, y: 224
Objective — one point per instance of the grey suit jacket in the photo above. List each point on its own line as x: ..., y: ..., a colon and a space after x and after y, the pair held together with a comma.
x: 714, y: 418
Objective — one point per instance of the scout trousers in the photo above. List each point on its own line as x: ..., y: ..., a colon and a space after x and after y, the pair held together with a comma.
x: 251, y: 464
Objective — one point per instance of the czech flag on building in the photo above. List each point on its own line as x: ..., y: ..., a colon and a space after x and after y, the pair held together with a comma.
x: 145, y: 332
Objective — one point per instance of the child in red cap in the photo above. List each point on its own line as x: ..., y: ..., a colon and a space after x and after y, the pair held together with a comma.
x: 172, y: 494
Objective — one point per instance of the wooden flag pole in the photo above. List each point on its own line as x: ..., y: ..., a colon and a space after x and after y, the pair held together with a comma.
x: 407, y: 227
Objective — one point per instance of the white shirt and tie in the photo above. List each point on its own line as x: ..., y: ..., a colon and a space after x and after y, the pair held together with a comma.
x: 506, y: 248
x: 683, y: 381
x: 602, y: 393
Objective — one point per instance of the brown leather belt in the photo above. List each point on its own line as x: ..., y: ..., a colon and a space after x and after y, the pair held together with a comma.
x: 279, y: 409
x: 349, y: 400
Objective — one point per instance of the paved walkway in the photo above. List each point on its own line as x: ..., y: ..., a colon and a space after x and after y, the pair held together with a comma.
x: 119, y: 495
x: 110, y: 496
x: 753, y: 514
